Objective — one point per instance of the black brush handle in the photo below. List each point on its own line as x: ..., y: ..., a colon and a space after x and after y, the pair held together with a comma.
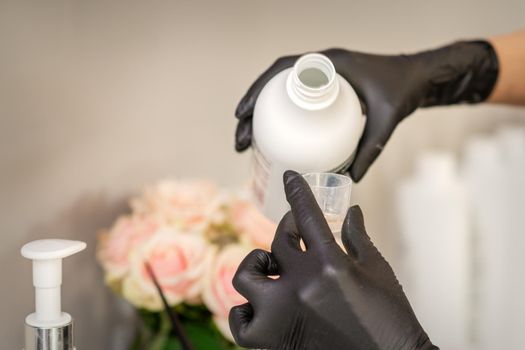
x: 174, y: 318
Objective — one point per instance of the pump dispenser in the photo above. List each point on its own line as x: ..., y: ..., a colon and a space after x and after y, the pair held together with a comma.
x: 48, y: 328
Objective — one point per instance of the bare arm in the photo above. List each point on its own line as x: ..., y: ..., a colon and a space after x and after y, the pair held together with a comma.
x: 510, y: 86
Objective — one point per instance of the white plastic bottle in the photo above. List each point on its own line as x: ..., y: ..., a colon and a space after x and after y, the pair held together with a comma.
x: 307, y: 118
x: 434, y: 219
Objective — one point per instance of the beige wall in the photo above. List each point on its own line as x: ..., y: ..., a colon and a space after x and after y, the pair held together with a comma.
x: 98, y: 97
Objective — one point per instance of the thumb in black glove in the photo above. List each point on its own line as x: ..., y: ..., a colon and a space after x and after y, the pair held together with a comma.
x: 391, y: 88
x: 323, y: 297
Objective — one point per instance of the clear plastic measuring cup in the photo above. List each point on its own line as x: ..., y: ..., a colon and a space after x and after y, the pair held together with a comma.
x: 332, y: 192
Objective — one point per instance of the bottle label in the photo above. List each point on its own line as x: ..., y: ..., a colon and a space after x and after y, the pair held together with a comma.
x: 261, y: 168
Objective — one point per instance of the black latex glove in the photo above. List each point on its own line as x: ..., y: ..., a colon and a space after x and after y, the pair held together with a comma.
x: 392, y: 87
x: 323, y: 298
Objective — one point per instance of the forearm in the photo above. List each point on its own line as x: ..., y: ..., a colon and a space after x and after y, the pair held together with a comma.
x: 510, y: 86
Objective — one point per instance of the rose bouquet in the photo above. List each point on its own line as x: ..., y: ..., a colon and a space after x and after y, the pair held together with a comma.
x: 192, y: 237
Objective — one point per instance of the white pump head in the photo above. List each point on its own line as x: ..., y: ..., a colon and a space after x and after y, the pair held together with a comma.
x: 47, y: 255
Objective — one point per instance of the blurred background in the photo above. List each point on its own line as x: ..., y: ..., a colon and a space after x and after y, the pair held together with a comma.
x: 98, y: 98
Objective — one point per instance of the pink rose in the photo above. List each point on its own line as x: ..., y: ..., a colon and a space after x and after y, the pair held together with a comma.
x: 219, y: 294
x: 247, y: 219
x: 186, y: 204
x: 179, y: 262
x: 118, y: 243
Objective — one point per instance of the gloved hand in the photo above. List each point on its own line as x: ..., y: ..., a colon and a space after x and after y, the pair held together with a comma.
x: 392, y: 87
x: 323, y: 298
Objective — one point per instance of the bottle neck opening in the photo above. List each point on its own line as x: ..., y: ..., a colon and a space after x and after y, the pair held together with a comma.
x: 312, y: 83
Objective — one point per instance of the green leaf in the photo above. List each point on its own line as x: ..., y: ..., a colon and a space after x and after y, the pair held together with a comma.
x: 193, y: 312
x: 173, y: 344
x: 159, y: 343
x: 151, y: 320
x: 204, y: 336
x: 157, y: 334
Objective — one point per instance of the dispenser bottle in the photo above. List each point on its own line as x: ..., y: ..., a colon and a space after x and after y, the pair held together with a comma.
x: 48, y: 328
x: 434, y: 219
x: 307, y: 118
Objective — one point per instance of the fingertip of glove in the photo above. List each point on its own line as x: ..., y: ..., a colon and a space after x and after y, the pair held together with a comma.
x: 289, y: 176
x: 244, y: 107
x: 355, y: 216
x: 356, y: 173
x: 238, y: 319
x: 234, y: 321
x: 243, y: 135
x: 240, y: 109
x: 242, y: 146
x: 369, y: 149
x: 356, y: 209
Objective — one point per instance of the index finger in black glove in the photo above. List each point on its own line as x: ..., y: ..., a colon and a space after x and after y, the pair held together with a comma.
x: 308, y: 216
